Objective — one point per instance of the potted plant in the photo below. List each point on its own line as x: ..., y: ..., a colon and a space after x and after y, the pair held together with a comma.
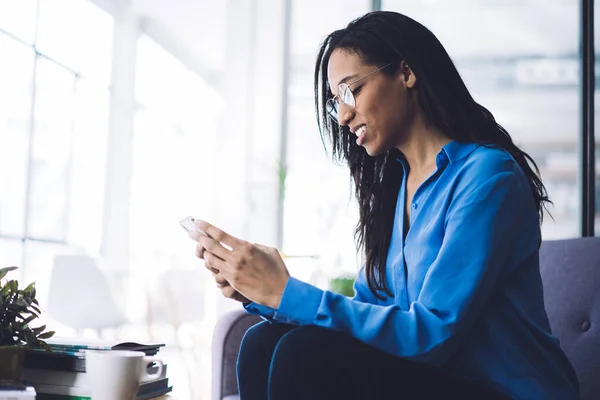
x: 343, y: 285
x: 18, y: 308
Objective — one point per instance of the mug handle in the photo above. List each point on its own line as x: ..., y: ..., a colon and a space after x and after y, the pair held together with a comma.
x: 145, y: 376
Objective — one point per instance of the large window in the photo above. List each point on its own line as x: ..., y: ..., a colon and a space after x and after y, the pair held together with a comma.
x: 54, y: 83
x: 526, y: 72
x: 174, y: 136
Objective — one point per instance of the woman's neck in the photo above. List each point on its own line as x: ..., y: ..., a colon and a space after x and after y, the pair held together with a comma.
x: 422, y: 146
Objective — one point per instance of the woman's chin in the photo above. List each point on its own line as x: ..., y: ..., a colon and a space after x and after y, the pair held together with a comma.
x: 371, y: 150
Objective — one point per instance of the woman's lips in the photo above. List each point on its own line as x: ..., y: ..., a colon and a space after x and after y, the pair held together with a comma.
x: 361, y: 133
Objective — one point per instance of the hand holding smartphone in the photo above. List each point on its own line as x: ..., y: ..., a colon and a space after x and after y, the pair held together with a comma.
x: 189, y: 225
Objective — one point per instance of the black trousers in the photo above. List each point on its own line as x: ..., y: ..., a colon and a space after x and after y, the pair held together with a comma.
x: 285, y: 362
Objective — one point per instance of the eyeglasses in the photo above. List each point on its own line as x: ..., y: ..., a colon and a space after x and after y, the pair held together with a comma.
x: 346, y: 96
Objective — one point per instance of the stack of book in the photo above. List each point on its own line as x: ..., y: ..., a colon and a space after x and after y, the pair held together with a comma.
x: 60, y: 374
x: 16, y: 392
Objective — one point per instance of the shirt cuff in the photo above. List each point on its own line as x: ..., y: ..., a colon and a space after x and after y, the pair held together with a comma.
x: 299, y: 303
x: 266, y: 312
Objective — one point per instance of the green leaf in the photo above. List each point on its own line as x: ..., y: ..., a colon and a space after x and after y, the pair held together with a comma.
x: 30, y: 288
x: 14, y: 307
x: 12, y: 286
x: 47, y: 335
x: 4, y: 271
x: 22, y: 303
x: 5, y: 291
x: 29, y: 319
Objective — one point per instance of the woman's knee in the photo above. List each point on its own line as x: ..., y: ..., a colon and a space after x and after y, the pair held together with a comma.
x: 263, y: 337
x: 254, y: 334
x: 307, y: 364
x: 309, y: 344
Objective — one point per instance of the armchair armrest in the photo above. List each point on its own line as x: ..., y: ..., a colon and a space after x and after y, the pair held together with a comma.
x: 227, y: 337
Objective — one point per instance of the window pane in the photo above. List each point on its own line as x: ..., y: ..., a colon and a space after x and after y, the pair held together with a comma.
x: 164, y: 83
x: 86, y: 203
x: 18, y: 18
x: 526, y: 73
x: 319, y: 212
x: 37, y: 265
x: 51, y: 151
x: 173, y: 135
x: 80, y: 39
x: 11, y: 254
x: 16, y: 77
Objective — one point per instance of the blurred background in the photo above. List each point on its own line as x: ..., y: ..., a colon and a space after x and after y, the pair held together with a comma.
x: 120, y: 117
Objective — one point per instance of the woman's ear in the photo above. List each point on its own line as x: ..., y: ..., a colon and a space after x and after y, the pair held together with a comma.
x: 407, y: 75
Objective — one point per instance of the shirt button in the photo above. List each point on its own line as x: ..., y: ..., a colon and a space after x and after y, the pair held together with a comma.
x: 585, y: 326
x: 442, y: 157
x: 414, y: 206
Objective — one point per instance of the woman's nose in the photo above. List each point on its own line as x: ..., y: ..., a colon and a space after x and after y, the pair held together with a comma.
x: 345, y: 114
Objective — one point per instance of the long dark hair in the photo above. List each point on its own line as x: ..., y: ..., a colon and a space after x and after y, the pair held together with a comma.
x: 379, y: 38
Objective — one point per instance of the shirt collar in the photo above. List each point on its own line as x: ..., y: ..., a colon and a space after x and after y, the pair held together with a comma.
x: 455, y: 151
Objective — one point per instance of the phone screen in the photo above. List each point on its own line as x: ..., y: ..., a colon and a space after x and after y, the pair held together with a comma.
x: 189, y: 225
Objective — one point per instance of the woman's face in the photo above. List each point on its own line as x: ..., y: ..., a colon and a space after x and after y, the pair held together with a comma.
x: 385, y: 105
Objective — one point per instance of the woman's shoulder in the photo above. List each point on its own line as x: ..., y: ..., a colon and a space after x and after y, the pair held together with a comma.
x: 491, y: 159
x: 487, y: 165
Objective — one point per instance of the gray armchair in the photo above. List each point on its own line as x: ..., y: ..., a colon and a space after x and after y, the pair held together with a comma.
x: 227, y: 338
x: 571, y: 276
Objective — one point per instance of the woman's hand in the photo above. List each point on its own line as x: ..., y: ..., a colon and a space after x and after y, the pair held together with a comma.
x: 222, y: 284
x: 229, y: 291
x: 257, y: 272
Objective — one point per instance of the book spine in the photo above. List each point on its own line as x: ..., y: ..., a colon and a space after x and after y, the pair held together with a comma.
x: 44, y: 396
x: 53, y: 377
x: 75, y: 347
x: 65, y: 352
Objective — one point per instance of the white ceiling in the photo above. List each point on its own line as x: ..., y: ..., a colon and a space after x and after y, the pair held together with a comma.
x: 194, y: 30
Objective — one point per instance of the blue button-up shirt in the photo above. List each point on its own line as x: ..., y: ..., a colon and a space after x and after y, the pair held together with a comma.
x: 467, y: 292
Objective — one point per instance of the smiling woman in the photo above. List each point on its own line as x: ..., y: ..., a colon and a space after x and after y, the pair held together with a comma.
x: 449, y: 302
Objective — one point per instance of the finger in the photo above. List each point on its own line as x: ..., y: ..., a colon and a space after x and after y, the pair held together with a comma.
x: 263, y: 248
x: 214, y: 247
x: 211, y: 269
x: 199, y: 251
x: 221, y: 281
x: 228, y: 292
x: 223, y: 285
x: 195, y: 235
x: 213, y: 262
x: 218, y: 234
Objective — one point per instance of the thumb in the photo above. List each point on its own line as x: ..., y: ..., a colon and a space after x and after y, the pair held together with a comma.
x: 268, y: 250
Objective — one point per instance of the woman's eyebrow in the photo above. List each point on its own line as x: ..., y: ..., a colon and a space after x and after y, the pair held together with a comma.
x: 344, y: 80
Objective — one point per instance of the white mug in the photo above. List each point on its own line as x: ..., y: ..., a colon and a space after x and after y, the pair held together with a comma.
x: 117, y: 374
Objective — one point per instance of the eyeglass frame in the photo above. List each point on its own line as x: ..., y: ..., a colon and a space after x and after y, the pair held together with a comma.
x: 331, y: 102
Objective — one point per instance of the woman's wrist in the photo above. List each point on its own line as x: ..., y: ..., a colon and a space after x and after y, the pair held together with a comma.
x: 274, y: 298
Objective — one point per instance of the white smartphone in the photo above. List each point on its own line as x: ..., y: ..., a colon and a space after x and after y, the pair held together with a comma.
x: 189, y: 225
